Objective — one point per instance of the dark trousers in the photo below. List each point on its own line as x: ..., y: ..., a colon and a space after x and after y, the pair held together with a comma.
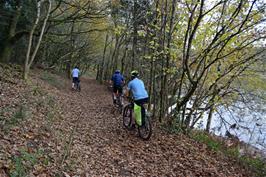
x: 117, y: 88
x: 76, y: 80
x: 140, y: 103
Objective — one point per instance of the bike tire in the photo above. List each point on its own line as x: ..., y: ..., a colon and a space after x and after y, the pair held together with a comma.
x: 127, y: 117
x: 120, y: 109
x: 78, y: 87
x: 120, y: 105
x: 147, y: 127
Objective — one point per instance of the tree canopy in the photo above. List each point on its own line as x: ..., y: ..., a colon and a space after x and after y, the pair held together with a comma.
x: 194, y: 56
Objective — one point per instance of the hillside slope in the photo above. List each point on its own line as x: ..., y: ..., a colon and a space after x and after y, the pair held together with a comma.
x: 48, y: 130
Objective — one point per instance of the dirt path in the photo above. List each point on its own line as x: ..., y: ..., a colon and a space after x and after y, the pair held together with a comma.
x: 78, y: 134
x: 98, y: 145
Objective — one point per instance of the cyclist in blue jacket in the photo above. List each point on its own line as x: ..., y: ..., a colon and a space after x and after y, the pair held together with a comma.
x: 117, y: 81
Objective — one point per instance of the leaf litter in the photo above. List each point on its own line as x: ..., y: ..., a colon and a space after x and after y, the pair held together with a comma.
x: 66, y: 133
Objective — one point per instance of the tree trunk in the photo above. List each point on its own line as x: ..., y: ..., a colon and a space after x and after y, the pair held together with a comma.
x: 101, y: 72
x: 169, y: 40
x: 112, y: 65
x: 8, y: 44
x: 123, y: 58
x: 116, y: 56
x: 29, y: 60
x: 151, y: 82
x: 6, y: 52
x: 135, y: 33
x: 107, y: 71
x: 70, y: 60
x: 208, y: 126
x: 162, y: 44
x: 152, y: 64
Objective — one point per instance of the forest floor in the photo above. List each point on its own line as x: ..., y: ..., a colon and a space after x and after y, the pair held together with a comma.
x: 48, y: 130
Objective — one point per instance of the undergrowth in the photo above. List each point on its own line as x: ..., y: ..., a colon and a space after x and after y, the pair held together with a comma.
x: 52, y: 80
x: 25, y: 161
x: 256, y: 164
x: 18, y: 116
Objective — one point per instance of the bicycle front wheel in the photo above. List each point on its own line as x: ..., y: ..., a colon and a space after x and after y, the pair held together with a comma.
x: 127, y: 117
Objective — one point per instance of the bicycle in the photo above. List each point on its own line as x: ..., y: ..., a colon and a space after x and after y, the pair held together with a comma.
x: 144, y: 130
x: 118, y: 102
x: 77, y: 86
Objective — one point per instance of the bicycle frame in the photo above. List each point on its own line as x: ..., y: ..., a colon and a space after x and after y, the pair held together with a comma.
x: 76, y: 86
x: 119, y: 101
x: 129, y: 121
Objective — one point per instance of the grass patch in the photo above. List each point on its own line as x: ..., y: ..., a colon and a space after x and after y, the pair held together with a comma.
x: 25, y: 162
x: 90, y: 73
x: 210, y: 142
x: 37, y: 91
x: 20, y: 115
x: 174, y: 129
x: 172, y: 126
x: 52, y: 80
x: 257, y: 165
x: 3, y: 116
x: 50, y: 115
x: 50, y: 101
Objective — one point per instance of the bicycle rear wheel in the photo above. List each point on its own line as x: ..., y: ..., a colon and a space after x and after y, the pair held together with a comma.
x: 79, y: 88
x: 145, y: 131
x: 120, y: 104
x: 127, y: 117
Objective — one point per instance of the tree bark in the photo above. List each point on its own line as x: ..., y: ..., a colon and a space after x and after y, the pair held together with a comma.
x: 107, y: 71
x: 30, y: 59
x: 101, y: 69
x: 69, y: 62
x: 9, y: 42
x: 162, y: 44
x: 152, y: 64
x: 124, y: 57
x: 208, y: 126
x: 135, y: 33
x: 168, y: 57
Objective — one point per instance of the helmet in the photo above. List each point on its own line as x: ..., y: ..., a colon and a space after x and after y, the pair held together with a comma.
x: 117, y: 71
x: 134, y: 73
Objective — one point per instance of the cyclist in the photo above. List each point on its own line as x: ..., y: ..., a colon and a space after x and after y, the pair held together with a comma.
x: 137, y: 88
x: 117, y: 81
x: 75, y: 76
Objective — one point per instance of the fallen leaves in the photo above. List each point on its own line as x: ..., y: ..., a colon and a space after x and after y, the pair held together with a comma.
x: 76, y: 134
